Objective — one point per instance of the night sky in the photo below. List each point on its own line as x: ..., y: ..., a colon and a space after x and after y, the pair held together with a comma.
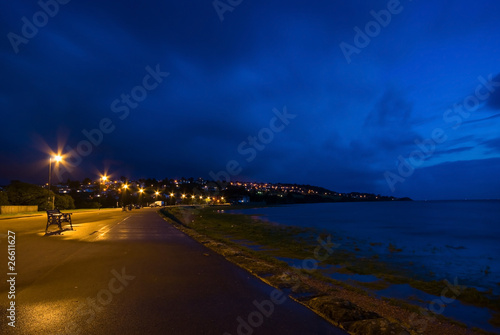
x: 397, y: 98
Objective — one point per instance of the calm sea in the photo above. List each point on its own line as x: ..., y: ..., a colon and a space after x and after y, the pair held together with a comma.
x: 437, y: 239
x: 434, y: 240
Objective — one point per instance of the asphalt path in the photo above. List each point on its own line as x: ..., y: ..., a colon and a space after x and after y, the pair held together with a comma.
x: 133, y: 273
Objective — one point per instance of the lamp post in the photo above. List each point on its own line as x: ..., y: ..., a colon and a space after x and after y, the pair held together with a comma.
x: 125, y: 187
x: 57, y: 158
x: 141, y: 191
x: 103, y: 179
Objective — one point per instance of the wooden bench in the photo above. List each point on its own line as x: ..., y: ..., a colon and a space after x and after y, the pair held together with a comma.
x: 54, y: 216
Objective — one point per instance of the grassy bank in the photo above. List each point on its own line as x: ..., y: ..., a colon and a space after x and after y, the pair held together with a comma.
x: 255, y: 245
x: 43, y: 213
x: 10, y: 215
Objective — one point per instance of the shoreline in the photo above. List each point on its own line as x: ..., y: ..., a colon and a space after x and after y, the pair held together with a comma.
x: 352, y: 308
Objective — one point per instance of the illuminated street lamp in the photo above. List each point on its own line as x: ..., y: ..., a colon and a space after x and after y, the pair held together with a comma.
x: 57, y: 159
x: 103, y: 180
x: 125, y: 187
x: 141, y: 191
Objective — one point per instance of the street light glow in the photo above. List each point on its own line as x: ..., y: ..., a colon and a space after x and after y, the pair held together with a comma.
x: 125, y: 186
x: 56, y: 158
x: 141, y: 190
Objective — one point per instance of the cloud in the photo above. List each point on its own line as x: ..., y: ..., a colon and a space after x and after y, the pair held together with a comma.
x: 475, y: 179
x: 493, y: 145
x: 353, y: 120
x: 452, y: 151
x: 391, y: 111
x: 388, y: 129
x: 494, y: 100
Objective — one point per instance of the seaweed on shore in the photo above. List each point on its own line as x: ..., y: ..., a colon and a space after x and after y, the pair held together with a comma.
x: 297, y: 243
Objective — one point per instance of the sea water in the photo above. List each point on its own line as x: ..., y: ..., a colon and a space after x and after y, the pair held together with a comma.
x: 432, y: 240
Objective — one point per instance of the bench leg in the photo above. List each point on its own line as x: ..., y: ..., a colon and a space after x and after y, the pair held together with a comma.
x: 51, y: 222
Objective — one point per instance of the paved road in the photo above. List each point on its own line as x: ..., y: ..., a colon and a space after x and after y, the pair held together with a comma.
x: 133, y: 273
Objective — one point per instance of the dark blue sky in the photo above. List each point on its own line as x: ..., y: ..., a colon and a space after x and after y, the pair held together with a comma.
x: 398, y: 98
